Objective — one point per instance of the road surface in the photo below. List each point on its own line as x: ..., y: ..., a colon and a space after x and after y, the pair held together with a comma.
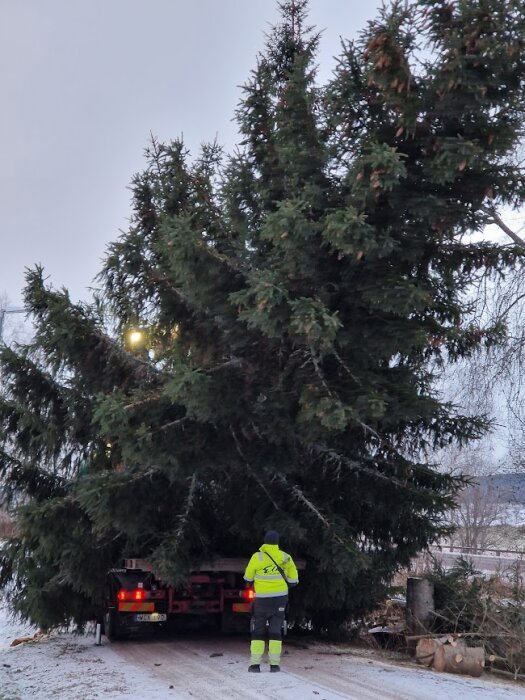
x: 216, y: 669
x: 487, y: 562
x: 200, y: 667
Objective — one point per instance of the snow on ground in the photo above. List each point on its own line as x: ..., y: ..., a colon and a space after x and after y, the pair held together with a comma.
x: 68, y: 667
x: 72, y: 667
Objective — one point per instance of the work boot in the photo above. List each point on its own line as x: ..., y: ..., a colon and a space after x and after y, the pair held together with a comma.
x: 254, y: 668
x: 275, y: 669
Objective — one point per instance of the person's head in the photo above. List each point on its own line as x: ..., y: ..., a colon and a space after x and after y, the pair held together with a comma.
x: 271, y: 537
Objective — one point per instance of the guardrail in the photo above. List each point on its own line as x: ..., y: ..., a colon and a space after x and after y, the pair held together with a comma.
x: 457, y: 549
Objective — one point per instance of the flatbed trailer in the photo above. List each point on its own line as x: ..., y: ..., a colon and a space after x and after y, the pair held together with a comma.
x: 215, y: 594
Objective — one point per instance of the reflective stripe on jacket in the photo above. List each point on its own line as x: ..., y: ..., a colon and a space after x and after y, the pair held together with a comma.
x: 267, y: 580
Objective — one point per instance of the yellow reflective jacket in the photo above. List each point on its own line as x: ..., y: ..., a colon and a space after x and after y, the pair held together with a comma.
x: 261, y: 570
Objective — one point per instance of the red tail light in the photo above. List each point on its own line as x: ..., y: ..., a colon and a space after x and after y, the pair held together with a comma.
x: 137, y: 594
x: 248, y: 594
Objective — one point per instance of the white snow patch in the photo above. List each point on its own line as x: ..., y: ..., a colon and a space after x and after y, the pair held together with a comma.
x: 69, y: 667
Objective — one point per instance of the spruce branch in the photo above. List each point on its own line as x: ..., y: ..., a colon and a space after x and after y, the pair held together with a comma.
x: 302, y: 498
x: 233, y: 362
x: 178, y: 421
x: 339, y: 458
x: 126, y: 478
x: 143, y: 402
x: 252, y: 471
x: 315, y: 361
x: 220, y: 257
x: 368, y: 429
x: 345, y: 367
x: 184, y: 516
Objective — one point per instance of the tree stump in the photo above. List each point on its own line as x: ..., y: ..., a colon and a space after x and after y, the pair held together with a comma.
x: 419, y: 607
x: 461, y: 659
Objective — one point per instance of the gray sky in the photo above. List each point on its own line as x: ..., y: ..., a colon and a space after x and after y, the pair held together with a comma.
x: 84, y: 82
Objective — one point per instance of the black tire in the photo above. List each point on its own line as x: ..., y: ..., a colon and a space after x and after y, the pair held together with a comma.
x: 234, y: 623
x: 113, y: 625
x: 227, y: 622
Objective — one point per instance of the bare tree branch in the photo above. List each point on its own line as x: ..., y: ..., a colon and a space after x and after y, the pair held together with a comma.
x: 491, y: 211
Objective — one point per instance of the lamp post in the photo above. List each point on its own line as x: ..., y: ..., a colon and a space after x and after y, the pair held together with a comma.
x: 3, y: 313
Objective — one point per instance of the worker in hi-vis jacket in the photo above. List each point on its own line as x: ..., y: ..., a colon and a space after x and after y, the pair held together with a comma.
x: 271, y: 571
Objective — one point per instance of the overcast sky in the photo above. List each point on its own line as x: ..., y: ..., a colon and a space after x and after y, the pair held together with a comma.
x: 84, y: 82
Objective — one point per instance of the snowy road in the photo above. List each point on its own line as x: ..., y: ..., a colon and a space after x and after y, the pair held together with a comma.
x: 216, y: 669
x: 66, y: 667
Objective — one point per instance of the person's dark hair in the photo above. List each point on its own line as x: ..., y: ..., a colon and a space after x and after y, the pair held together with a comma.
x: 271, y: 537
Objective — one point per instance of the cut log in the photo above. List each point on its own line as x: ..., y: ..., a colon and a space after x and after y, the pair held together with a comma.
x: 469, y: 661
x: 425, y: 650
x: 21, y: 640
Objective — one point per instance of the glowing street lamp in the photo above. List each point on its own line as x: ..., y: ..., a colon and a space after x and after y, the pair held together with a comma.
x: 135, y: 338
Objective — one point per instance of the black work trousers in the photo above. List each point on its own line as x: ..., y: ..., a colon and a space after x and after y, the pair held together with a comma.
x: 271, y: 611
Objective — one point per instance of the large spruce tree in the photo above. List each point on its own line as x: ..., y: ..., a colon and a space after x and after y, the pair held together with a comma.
x: 295, y: 300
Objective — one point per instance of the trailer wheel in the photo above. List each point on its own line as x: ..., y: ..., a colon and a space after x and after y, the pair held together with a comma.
x: 113, y: 626
x: 234, y: 623
x: 227, y: 622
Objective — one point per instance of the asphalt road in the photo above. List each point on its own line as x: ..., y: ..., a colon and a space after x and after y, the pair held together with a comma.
x: 486, y: 563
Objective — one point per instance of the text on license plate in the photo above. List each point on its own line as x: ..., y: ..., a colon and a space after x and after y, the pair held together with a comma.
x: 151, y: 617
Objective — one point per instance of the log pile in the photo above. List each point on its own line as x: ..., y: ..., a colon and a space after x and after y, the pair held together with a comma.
x: 451, y: 655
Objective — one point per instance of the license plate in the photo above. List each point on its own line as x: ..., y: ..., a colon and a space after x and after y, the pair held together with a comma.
x: 152, y: 617
x: 241, y: 607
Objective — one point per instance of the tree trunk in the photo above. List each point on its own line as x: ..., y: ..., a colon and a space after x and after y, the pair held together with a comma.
x: 459, y: 659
